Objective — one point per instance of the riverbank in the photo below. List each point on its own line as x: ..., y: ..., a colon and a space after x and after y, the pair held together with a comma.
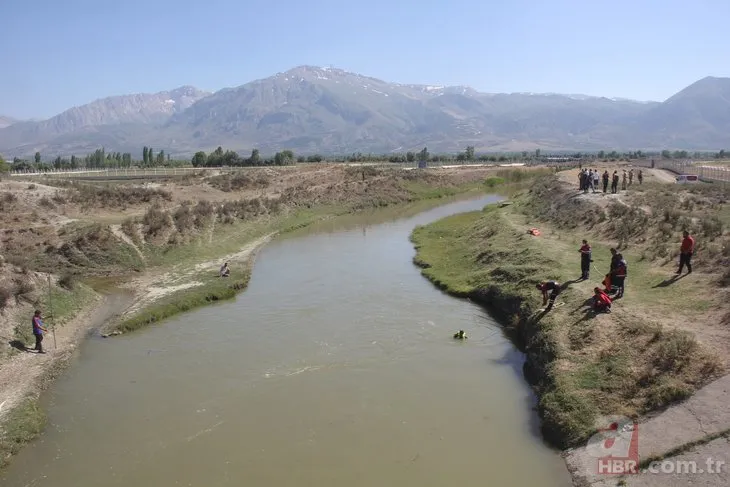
x: 663, y: 341
x: 162, y: 250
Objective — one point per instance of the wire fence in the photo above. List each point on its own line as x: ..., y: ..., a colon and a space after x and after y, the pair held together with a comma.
x: 705, y: 171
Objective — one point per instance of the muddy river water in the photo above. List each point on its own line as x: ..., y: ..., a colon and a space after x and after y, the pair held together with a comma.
x: 335, y: 368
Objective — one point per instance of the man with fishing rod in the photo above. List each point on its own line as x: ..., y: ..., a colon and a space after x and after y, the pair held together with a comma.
x: 38, y: 329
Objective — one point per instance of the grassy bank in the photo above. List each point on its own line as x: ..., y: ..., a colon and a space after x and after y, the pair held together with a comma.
x: 21, y: 425
x: 637, y: 359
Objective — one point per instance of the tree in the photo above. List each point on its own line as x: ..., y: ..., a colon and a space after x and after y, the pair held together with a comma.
x: 150, y: 156
x: 255, y: 157
x: 199, y: 159
x: 145, y: 155
x: 37, y: 158
x: 284, y: 158
x: 537, y: 153
x: 4, y: 167
x: 469, y: 153
x: 410, y: 156
x: 423, y: 155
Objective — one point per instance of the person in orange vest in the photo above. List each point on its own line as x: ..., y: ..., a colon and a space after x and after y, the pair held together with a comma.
x: 601, y: 301
x: 554, y: 288
x: 585, y: 260
x: 685, y: 252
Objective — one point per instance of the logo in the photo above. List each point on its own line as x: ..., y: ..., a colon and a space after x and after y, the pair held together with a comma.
x: 614, y: 449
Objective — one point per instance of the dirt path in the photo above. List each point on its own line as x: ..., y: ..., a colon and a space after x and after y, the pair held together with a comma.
x: 663, y: 175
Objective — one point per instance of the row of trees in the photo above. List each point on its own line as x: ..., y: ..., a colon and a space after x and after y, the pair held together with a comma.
x: 102, y: 159
x: 230, y: 158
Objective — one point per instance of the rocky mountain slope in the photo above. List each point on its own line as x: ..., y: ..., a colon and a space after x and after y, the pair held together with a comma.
x: 326, y: 110
x: 6, y: 121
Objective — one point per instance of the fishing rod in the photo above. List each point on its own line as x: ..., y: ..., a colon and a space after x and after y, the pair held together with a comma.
x: 50, y: 308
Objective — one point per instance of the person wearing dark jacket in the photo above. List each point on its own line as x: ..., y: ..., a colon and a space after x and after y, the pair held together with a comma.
x: 585, y: 260
x: 606, y: 177
x: 619, y: 275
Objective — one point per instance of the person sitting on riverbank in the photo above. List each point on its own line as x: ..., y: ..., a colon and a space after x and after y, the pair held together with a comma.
x: 460, y: 335
x: 554, y: 288
x: 225, y: 270
x: 601, y: 301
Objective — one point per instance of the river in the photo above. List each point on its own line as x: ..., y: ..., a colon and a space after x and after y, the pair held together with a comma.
x: 336, y: 367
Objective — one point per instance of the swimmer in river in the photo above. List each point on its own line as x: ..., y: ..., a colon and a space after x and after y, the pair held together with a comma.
x: 460, y: 335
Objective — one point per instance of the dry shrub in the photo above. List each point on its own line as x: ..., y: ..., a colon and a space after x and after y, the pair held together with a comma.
x: 6, y: 293
x: 67, y: 281
x: 155, y: 221
x: 46, y: 202
x: 239, y: 181
x: 116, y: 196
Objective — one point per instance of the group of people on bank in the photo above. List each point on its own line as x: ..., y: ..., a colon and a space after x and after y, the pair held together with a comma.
x: 614, y: 280
x: 590, y: 179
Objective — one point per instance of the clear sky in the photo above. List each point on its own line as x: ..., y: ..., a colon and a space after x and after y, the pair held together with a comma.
x: 56, y: 54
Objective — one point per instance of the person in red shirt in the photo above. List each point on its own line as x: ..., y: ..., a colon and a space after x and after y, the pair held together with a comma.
x: 601, y: 301
x: 685, y: 252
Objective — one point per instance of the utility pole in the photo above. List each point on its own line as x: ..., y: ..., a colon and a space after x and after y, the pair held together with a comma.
x: 50, y: 308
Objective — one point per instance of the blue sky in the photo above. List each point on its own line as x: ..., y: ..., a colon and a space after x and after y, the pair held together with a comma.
x: 57, y: 54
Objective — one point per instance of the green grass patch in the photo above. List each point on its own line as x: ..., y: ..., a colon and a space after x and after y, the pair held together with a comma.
x: 211, y: 290
x: 22, y: 424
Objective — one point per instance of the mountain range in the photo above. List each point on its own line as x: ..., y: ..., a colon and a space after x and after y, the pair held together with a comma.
x: 326, y: 110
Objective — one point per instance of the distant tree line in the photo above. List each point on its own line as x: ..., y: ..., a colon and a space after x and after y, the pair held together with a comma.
x: 219, y: 157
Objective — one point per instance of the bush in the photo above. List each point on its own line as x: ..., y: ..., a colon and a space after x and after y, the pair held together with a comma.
x: 46, y: 202
x: 6, y: 293
x: 119, y: 196
x: 67, y: 281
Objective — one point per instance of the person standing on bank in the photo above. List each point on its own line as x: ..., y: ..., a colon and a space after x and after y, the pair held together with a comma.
x: 685, y: 252
x: 606, y: 177
x: 585, y: 260
x: 38, y: 329
x: 618, y: 278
